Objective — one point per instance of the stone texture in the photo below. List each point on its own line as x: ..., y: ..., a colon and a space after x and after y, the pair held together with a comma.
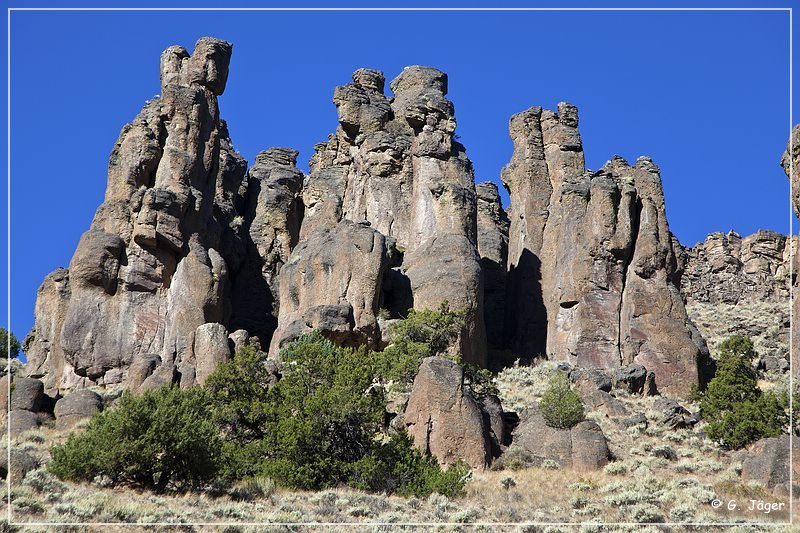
x: 395, y: 163
x: 211, y: 349
x: 272, y: 217
x: 592, y: 272
x: 727, y: 268
x: 791, y: 165
x: 444, y: 418
x: 22, y: 462
x: 767, y: 462
x: 20, y: 421
x: 154, y: 266
x: 27, y: 394
x: 493, y: 250
x: 76, y: 406
x: 332, y: 282
x: 582, y: 447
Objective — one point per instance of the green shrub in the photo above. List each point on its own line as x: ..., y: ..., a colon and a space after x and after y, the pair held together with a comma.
x: 736, y: 410
x: 397, y: 467
x: 9, y: 345
x: 748, y: 421
x: 317, y: 426
x: 422, y: 334
x: 560, y: 405
x: 306, y: 430
x: 241, y: 407
x: 162, y: 438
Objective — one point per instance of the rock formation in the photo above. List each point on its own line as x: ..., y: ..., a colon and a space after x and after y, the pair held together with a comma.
x: 791, y: 165
x: 734, y: 285
x: 395, y: 163
x: 493, y: 250
x: 151, y: 268
x: 582, y: 447
x: 446, y: 420
x: 592, y: 272
x: 729, y: 269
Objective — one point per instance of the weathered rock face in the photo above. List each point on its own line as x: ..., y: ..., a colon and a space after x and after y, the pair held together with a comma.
x: 729, y: 269
x: 767, y: 462
x: 151, y: 268
x: 273, y: 215
x: 740, y: 286
x: 394, y: 163
x: 332, y: 282
x: 791, y: 165
x: 76, y: 406
x: 582, y: 447
x: 445, y: 419
x: 592, y: 273
x: 493, y: 250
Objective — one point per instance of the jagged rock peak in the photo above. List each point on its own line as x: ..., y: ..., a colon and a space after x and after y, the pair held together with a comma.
x: 206, y: 66
x: 156, y: 262
x: 592, y: 273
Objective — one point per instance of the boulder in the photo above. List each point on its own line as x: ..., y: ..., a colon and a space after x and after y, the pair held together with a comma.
x: 631, y: 378
x: 22, y: 462
x: 767, y: 462
x: 444, y: 418
x: 673, y: 415
x: 76, y: 406
x: 27, y: 394
x: 332, y: 282
x: 582, y: 447
x: 20, y: 421
x: 210, y: 350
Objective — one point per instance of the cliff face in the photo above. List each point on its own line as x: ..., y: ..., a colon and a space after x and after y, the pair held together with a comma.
x: 191, y: 251
x: 592, y: 271
x: 152, y: 267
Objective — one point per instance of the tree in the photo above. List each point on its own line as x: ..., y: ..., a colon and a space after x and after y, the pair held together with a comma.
x: 560, y: 406
x: 162, y: 438
x: 422, y: 334
x: 736, y: 409
x: 9, y: 345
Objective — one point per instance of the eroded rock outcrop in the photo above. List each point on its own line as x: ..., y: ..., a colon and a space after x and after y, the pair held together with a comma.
x: 493, y: 250
x: 395, y: 163
x: 592, y: 272
x: 791, y: 165
x: 582, y: 447
x: 332, y: 283
x: 151, y: 268
x: 446, y: 420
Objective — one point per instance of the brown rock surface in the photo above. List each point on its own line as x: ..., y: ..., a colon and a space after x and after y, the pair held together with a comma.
x: 151, y: 269
x: 592, y: 273
x: 76, y: 406
x: 493, y: 250
x: 582, y: 447
x: 332, y: 282
x: 394, y: 163
x: 445, y: 419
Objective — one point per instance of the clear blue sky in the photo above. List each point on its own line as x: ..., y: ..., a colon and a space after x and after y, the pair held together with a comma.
x: 706, y: 94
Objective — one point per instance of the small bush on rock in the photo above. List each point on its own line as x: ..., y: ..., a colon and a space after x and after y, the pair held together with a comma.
x: 161, y: 438
x: 560, y: 406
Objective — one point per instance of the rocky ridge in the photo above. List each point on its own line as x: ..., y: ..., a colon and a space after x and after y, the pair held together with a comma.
x: 192, y: 254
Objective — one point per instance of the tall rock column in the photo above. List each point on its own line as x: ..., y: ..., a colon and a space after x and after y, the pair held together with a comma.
x: 592, y: 273
x: 394, y: 163
x: 791, y: 165
x: 150, y: 270
x: 493, y: 250
x: 547, y: 151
